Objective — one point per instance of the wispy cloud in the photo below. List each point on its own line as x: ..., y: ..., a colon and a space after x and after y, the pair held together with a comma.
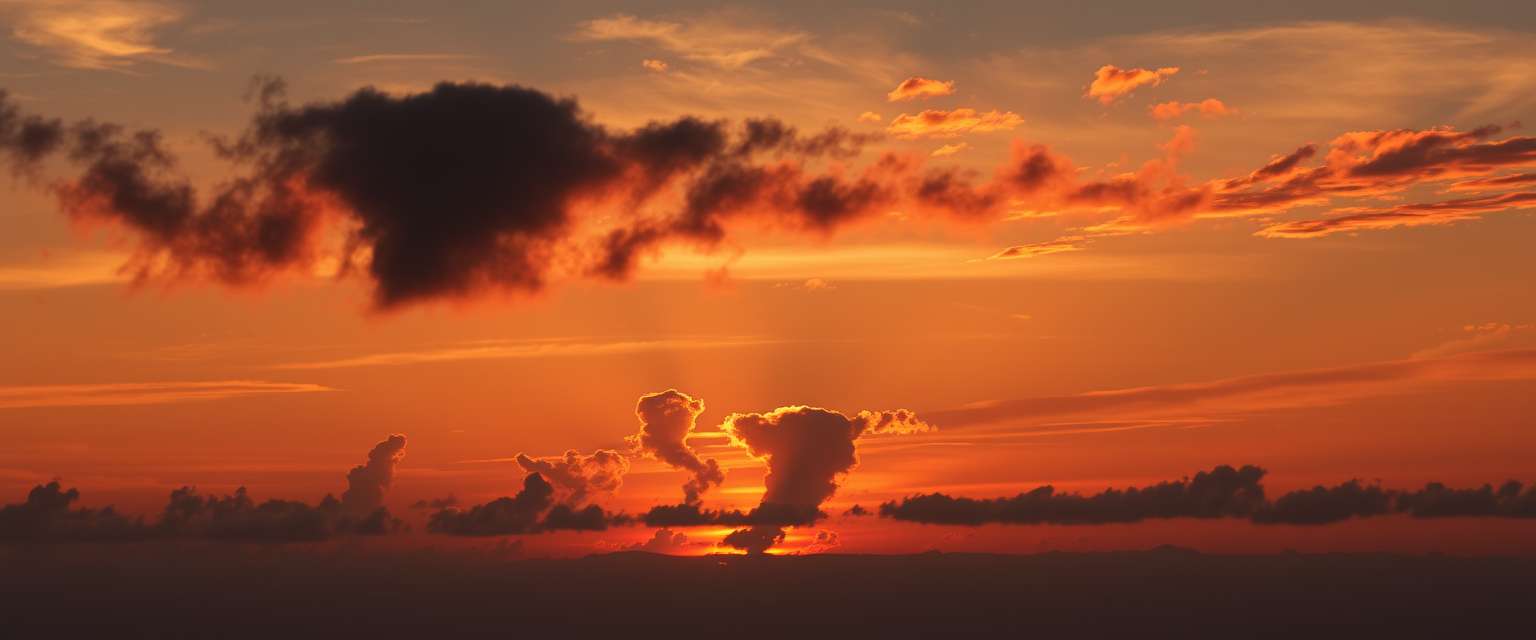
x: 505, y: 350
x: 404, y: 57
x: 97, y: 34
x: 1291, y: 389
x: 721, y: 43
x: 142, y: 393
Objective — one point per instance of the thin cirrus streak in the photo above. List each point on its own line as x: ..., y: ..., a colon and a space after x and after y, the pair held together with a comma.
x: 1310, y: 387
x: 142, y: 393
x: 403, y: 57
x: 522, y: 349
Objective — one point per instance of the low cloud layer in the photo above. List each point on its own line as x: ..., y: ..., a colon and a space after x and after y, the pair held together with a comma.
x: 47, y: 514
x: 1222, y: 492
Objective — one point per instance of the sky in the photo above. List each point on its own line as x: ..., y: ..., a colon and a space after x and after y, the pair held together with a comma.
x: 877, y: 251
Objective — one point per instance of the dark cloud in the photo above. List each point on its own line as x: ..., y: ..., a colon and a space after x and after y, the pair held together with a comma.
x: 447, y: 193
x: 857, y: 511
x: 1325, y: 505
x: 666, y: 419
x: 663, y: 541
x: 502, y: 516
x: 47, y: 516
x: 436, y: 503
x: 237, y: 517
x: 579, y: 476
x: 1220, y: 492
x: 806, y: 450
x: 27, y: 139
x: 532, y: 510
x: 367, y: 483
x: 1436, y: 500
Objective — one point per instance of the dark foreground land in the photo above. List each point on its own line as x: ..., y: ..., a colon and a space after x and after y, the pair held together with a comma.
x: 125, y: 591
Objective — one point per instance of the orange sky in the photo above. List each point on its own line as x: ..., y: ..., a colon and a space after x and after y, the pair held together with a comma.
x: 1139, y: 299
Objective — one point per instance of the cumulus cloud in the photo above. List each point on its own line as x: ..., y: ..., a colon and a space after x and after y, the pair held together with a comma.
x: 666, y: 420
x: 806, y: 450
x: 663, y: 541
x: 917, y: 87
x: 47, y: 516
x: 367, y: 483
x: 938, y: 123
x: 1111, y: 83
x: 579, y: 476
x: 502, y: 516
x: 1209, y: 107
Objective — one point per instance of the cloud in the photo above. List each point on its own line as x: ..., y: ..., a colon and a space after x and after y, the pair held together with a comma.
x: 502, y: 516
x: 1063, y: 244
x: 97, y: 34
x: 652, y: 64
x: 142, y: 393
x: 552, y: 194
x: 666, y: 419
x: 917, y: 87
x: 936, y: 123
x: 712, y: 41
x: 870, y: 116
x: 518, y: 349
x: 806, y: 450
x: 1218, y: 493
x: 949, y: 149
x: 578, y: 475
x: 1111, y: 83
x: 1209, y: 107
x: 374, y: 58
x: 1310, y: 387
x: 1494, y: 183
x: 1223, y: 492
x: 436, y: 503
x: 367, y: 483
x: 46, y: 516
x: 663, y: 541
x: 1475, y: 337
x: 1354, y: 220
x: 533, y: 510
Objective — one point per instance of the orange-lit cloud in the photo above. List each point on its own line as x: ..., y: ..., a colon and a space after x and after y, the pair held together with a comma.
x: 652, y: 64
x: 98, y: 35
x: 403, y: 57
x: 1494, y: 183
x: 1209, y: 107
x: 1059, y: 245
x: 917, y: 87
x: 950, y: 149
x: 719, y: 43
x: 666, y: 420
x: 934, y: 123
x: 1475, y: 337
x: 1111, y: 83
x: 870, y: 116
x: 1406, y: 215
x: 1259, y: 392
x: 518, y: 349
x: 142, y: 393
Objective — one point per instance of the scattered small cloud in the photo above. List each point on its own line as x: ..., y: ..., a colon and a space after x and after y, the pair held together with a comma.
x: 934, y: 123
x: 1475, y: 337
x: 1209, y: 108
x: 1063, y: 244
x: 101, y: 35
x: 870, y: 116
x: 950, y: 149
x: 1111, y: 83
x: 917, y: 87
x: 652, y: 64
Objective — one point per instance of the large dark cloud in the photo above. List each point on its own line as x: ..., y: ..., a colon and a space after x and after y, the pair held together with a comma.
x: 451, y: 192
x: 806, y: 450
x: 666, y: 420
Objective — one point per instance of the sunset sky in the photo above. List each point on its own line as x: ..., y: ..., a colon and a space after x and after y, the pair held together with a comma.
x: 1083, y: 247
